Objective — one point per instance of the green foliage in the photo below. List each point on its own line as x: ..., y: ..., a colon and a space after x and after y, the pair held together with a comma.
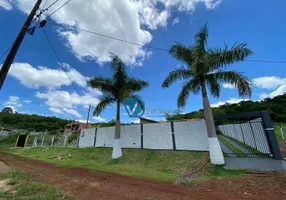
x: 32, y: 122
x: 116, y: 88
x: 276, y: 107
x: 24, y: 187
x: 72, y: 137
x: 157, y: 165
x: 205, y: 68
x: 7, y: 110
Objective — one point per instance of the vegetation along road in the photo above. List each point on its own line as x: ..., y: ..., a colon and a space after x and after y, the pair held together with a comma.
x: 81, y: 183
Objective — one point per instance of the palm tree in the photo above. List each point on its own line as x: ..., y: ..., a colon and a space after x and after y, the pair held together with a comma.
x: 115, y: 90
x: 205, y: 69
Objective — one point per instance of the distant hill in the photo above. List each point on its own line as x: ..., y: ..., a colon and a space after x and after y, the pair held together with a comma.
x: 32, y: 122
x: 276, y: 106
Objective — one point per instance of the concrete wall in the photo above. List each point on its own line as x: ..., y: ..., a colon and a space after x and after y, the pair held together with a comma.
x: 157, y: 136
x: 188, y: 135
x: 86, y: 138
x: 191, y: 135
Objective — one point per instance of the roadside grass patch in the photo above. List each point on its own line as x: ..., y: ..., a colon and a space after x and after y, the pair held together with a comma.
x: 23, y: 187
x: 158, y: 165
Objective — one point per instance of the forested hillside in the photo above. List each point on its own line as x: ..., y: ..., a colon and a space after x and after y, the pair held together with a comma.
x: 31, y: 122
x: 276, y: 107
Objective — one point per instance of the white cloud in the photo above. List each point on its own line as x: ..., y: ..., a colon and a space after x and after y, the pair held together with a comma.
x: 72, y: 112
x: 229, y: 86
x: 269, y: 82
x: 27, y: 101
x: 129, y: 20
x: 230, y: 101
x: 190, y: 5
x: 36, y: 77
x: 176, y: 21
x: 60, y: 99
x: 64, y: 111
x: 98, y: 119
x: 279, y: 91
x: 56, y: 110
x: 13, y: 101
x: 6, y: 4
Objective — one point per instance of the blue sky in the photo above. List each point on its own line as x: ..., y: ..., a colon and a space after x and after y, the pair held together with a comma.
x: 37, y: 83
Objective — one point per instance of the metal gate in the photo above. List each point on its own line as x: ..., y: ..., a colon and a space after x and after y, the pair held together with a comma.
x: 247, y: 135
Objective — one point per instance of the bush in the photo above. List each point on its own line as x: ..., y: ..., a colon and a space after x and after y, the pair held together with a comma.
x: 72, y: 137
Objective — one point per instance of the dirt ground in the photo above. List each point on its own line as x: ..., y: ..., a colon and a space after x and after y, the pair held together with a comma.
x: 83, y: 184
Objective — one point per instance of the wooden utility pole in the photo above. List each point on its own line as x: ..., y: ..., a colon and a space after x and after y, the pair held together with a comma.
x: 87, y: 117
x: 14, y: 49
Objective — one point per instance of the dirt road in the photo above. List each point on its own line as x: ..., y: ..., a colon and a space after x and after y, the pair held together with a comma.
x: 83, y: 184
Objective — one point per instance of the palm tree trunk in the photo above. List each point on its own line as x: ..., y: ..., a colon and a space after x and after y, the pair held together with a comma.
x: 216, y: 155
x: 117, y: 152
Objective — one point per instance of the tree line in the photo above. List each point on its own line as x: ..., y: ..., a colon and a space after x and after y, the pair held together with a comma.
x: 32, y: 122
x: 275, y: 106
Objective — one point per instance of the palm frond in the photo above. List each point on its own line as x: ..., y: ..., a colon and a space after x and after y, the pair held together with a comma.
x: 191, y: 86
x: 213, y: 85
x: 240, y: 82
x: 118, y: 70
x: 177, y: 74
x: 136, y: 85
x: 201, y: 39
x: 105, y: 101
x: 105, y: 85
x: 219, y: 57
x: 182, y: 53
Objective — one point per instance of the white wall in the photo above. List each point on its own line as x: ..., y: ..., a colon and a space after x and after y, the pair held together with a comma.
x: 157, y: 136
x: 105, y: 137
x: 86, y: 138
x: 131, y: 136
x: 191, y: 135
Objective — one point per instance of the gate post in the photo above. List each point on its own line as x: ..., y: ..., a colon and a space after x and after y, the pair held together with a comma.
x: 270, y: 135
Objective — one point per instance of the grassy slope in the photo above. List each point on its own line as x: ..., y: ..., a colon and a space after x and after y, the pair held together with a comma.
x: 23, y: 187
x: 146, y: 164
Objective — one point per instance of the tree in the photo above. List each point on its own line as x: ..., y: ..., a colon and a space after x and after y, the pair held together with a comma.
x: 115, y: 90
x: 205, y: 69
x: 7, y: 110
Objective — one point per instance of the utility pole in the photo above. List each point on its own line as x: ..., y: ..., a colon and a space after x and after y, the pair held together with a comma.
x: 87, y: 117
x: 14, y: 49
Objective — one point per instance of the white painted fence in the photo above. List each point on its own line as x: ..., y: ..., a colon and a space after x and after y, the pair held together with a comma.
x: 186, y: 135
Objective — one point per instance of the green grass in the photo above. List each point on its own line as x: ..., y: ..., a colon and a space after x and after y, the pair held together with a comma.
x: 156, y: 165
x: 277, y: 130
x: 23, y: 187
x: 249, y: 148
x: 232, y: 148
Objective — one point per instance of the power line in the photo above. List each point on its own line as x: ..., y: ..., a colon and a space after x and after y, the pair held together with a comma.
x: 58, y: 8
x: 5, y: 52
x: 153, y: 47
x: 114, y: 38
x: 45, y: 3
x: 49, y: 5
x: 57, y: 56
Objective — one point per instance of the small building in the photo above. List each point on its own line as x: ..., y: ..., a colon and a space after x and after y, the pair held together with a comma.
x: 75, y: 127
x: 147, y: 121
